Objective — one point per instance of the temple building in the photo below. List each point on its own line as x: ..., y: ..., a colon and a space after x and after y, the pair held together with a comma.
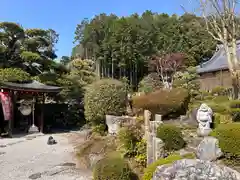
x: 23, y: 104
x: 215, y: 72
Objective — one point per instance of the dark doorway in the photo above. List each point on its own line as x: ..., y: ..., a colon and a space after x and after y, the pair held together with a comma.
x: 3, y: 123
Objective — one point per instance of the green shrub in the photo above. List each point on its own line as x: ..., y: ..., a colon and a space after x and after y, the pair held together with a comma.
x: 171, y: 136
x: 150, y: 83
x: 235, y: 113
x: 235, y: 110
x: 220, y: 99
x: 112, y: 168
x: 106, y: 96
x: 221, y: 108
x: 235, y: 104
x: 210, y: 97
x: 204, y: 93
x: 165, y: 102
x: 99, y: 129
x: 229, y: 138
x: 128, y: 138
x: 14, y: 74
x: 221, y: 119
x: 218, y: 91
x: 149, y: 171
x: 187, y: 80
x: 141, y: 153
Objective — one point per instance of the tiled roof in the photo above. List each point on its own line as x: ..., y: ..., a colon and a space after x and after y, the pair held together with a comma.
x: 32, y: 86
x: 217, y: 62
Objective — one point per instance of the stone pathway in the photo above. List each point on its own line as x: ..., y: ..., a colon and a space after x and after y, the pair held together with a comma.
x: 31, y: 158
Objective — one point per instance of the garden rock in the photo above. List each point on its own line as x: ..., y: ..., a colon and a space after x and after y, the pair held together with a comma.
x: 188, y: 169
x: 51, y: 141
x: 193, y: 115
x: 208, y: 149
x: 113, y: 123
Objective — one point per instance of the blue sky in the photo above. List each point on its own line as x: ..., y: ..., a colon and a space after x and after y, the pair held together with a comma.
x: 64, y: 15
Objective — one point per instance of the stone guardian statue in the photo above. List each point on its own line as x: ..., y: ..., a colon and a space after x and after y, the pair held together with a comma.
x: 204, y: 118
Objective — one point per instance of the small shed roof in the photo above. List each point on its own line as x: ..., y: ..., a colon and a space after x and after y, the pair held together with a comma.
x: 30, y: 86
x: 217, y: 62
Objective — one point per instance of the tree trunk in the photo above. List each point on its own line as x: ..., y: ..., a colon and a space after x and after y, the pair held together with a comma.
x: 235, y: 84
x: 112, y: 69
x: 231, y: 53
x: 102, y: 68
x: 120, y: 72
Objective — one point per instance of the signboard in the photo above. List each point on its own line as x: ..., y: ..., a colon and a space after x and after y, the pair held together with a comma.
x: 6, y: 105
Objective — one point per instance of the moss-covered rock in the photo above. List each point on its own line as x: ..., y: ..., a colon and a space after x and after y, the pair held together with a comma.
x: 148, y: 172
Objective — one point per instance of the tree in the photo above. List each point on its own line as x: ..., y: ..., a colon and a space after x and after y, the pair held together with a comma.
x: 65, y: 60
x: 32, y: 50
x: 79, y: 52
x: 187, y: 79
x: 166, y: 66
x: 13, y: 74
x: 11, y: 37
x: 121, y: 46
x: 222, y: 24
x: 81, y: 71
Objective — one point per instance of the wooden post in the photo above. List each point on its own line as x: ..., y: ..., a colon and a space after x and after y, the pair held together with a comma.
x: 11, y: 121
x: 42, y: 114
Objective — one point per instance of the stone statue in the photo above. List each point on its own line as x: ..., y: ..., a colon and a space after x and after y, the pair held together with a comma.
x: 204, y: 118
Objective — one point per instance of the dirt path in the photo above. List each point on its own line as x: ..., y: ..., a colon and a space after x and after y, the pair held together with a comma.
x: 22, y: 159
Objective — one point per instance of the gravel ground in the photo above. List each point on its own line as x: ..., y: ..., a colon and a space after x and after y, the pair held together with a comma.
x: 23, y: 159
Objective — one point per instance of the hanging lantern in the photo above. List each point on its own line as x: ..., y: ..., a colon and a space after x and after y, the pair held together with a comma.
x: 25, y: 107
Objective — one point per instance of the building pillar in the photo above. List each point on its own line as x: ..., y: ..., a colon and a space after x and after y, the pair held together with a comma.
x: 42, y: 114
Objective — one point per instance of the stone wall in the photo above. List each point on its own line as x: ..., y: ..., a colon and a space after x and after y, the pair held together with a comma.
x: 154, y: 145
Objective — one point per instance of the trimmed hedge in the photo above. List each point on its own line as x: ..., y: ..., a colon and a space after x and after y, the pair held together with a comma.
x: 165, y: 102
x: 171, y: 136
x: 229, y: 138
x: 219, y: 91
x: 112, y: 168
x: 106, y: 96
x: 221, y: 119
x: 149, y: 171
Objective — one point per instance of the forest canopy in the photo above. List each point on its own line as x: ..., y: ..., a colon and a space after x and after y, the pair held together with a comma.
x: 122, y: 46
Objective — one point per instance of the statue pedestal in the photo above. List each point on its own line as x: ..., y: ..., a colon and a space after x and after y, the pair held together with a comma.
x: 203, y: 132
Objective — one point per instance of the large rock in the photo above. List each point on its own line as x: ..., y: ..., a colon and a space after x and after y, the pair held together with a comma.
x: 208, y: 149
x: 51, y: 141
x: 189, y: 169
